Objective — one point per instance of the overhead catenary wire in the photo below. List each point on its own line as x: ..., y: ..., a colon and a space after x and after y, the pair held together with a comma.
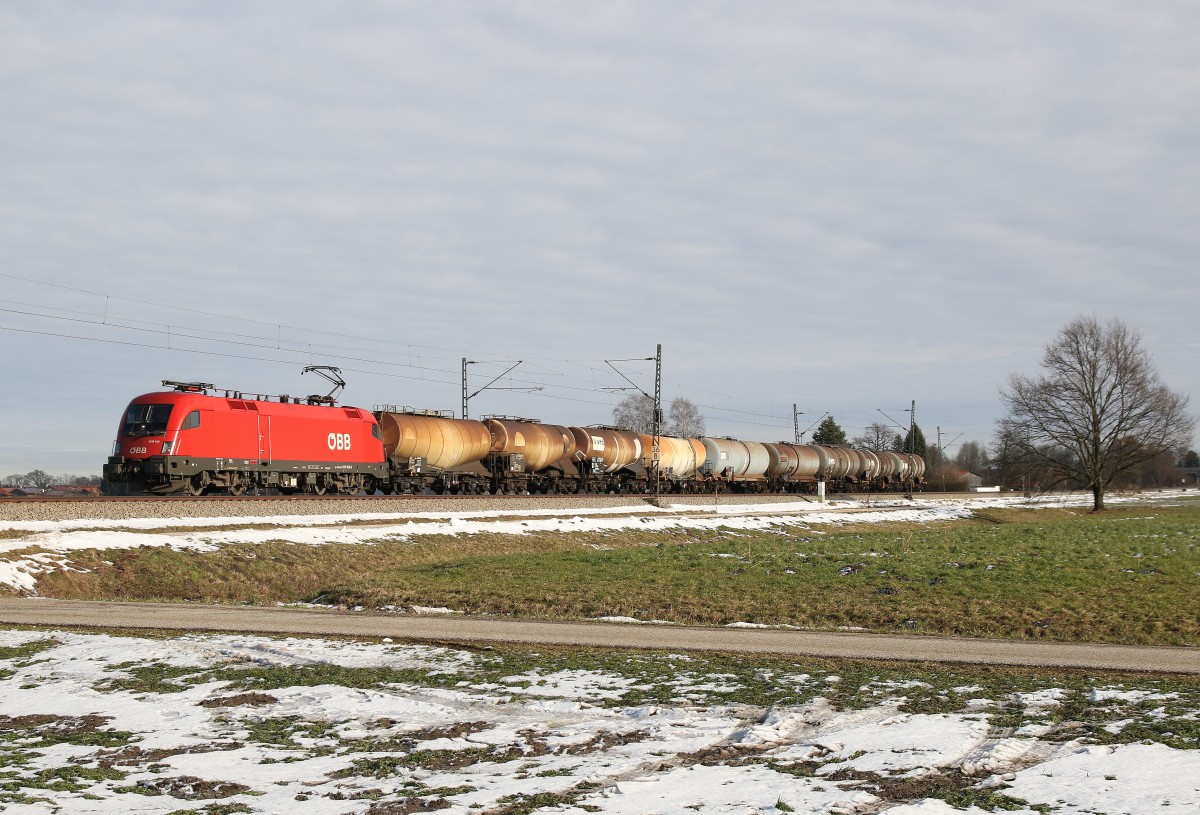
x: 421, y: 373
x: 591, y: 379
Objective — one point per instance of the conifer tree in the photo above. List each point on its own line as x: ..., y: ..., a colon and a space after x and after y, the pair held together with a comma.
x: 829, y: 432
x: 912, y: 442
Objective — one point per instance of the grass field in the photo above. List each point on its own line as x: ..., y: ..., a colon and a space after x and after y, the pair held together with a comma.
x: 1129, y: 575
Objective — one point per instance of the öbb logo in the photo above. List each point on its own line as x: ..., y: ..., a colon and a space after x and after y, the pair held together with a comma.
x: 338, y: 441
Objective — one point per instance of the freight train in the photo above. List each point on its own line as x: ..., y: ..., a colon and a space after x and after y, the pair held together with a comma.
x: 192, y: 440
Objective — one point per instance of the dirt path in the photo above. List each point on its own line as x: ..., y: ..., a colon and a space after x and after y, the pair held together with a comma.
x: 603, y: 635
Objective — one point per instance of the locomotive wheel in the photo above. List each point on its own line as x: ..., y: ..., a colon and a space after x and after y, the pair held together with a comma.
x: 195, y: 485
x: 237, y: 488
x: 386, y: 489
x: 317, y: 485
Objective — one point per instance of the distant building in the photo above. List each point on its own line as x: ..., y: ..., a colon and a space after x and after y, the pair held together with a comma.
x: 74, y: 489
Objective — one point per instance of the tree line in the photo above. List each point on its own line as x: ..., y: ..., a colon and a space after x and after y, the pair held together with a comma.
x: 40, y: 479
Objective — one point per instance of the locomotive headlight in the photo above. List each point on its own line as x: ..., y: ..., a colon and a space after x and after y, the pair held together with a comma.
x: 166, y: 448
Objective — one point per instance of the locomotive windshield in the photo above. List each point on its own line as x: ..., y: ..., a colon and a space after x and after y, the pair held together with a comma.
x: 147, y: 420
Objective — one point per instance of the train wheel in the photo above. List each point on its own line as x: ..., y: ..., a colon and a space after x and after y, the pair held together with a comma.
x: 237, y: 488
x: 195, y: 485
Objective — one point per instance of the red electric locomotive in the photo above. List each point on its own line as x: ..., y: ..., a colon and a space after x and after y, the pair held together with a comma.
x: 185, y: 440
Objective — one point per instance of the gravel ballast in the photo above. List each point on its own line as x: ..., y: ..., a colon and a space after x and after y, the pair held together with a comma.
x: 36, y: 510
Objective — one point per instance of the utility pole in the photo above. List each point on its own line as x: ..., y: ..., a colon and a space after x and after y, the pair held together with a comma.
x: 658, y: 416
x: 912, y: 438
x: 912, y: 428
x: 912, y: 435
x: 656, y: 445
x: 795, y: 423
x: 942, y: 454
x: 465, y: 363
x: 941, y: 458
x: 466, y: 397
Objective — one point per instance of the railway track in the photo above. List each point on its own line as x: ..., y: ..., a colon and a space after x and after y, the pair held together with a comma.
x: 566, y: 499
x: 59, y: 508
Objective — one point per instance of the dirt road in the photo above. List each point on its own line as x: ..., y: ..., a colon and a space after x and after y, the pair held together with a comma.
x: 601, y: 635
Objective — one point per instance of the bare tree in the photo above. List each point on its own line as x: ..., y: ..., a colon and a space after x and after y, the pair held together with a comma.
x: 39, y: 478
x: 685, y: 419
x: 971, y: 457
x: 876, y: 436
x: 1099, y: 410
x: 635, y: 412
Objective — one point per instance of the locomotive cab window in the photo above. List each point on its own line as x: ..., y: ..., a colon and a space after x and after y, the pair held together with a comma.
x: 147, y: 420
x: 191, y: 420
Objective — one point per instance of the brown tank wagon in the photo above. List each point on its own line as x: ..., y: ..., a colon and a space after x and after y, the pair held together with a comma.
x: 793, y: 462
x: 610, y: 449
x: 440, y: 442
x: 539, y: 444
x: 841, y: 462
x: 678, y: 458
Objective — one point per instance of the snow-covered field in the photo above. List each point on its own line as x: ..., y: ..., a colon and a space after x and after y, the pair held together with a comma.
x: 221, y: 724
x: 224, y: 724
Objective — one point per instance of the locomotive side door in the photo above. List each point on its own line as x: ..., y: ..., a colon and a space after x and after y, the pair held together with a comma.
x: 264, y: 439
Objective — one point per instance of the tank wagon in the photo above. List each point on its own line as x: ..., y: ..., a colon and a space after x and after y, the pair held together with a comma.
x: 188, y: 440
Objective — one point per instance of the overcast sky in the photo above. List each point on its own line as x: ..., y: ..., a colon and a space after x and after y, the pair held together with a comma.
x: 848, y: 206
